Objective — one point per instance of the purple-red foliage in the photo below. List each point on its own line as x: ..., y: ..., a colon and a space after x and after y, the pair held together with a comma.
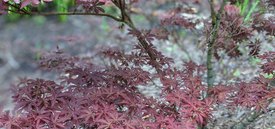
x: 266, y: 23
x: 252, y: 94
x: 92, y: 5
x: 3, y: 7
x: 174, y: 17
x: 269, y: 65
x: 231, y: 32
x: 91, y: 97
x: 108, y: 97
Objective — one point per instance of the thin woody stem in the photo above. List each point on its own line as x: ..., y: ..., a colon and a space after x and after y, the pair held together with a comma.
x: 127, y: 20
x: 216, y: 19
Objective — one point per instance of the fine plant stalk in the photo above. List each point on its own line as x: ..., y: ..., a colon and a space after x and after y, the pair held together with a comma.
x: 216, y: 19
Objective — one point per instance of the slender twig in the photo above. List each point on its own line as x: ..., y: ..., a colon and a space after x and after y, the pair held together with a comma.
x: 216, y: 19
x: 143, y: 42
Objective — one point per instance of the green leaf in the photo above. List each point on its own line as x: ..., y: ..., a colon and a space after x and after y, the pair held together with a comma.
x: 255, y: 60
x: 269, y: 76
x: 252, y: 9
x: 237, y: 73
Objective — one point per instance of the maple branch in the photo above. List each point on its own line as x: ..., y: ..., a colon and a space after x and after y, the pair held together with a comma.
x: 145, y: 45
x: 216, y: 20
x: 125, y: 17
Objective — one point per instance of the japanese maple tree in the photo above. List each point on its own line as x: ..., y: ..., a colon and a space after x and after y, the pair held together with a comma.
x: 94, y: 96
